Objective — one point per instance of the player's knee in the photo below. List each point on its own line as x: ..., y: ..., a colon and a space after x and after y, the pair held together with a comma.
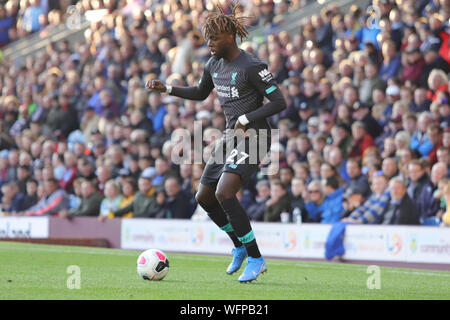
x: 205, y: 200
x: 200, y: 197
x: 223, y: 194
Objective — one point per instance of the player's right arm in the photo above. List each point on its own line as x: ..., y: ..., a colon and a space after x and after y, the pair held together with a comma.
x: 199, y: 92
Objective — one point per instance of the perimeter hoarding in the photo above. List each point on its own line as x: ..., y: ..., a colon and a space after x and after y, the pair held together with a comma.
x: 24, y: 227
x: 362, y: 242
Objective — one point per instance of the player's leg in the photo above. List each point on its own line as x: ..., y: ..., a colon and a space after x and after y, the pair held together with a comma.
x: 207, y: 200
x: 229, y: 184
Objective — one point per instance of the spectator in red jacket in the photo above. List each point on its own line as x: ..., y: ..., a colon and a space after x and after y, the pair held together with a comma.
x: 437, y: 81
x: 54, y: 200
x: 413, y: 66
x: 70, y: 162
x: 361, y: 139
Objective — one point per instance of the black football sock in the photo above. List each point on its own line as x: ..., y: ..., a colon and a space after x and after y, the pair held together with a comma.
x: 215, y: 212
x: 241, y: 225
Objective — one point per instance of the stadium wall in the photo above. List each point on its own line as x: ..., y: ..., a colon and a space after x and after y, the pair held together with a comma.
x: 399, y: 244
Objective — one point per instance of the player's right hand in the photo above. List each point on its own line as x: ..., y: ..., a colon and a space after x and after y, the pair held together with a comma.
x: 155, y: 85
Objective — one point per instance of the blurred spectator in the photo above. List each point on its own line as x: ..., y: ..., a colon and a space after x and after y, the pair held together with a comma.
x: 357, y: 179
x: 7, y: 172
x: 256, y: 210
x: 298, y: 194
x: 163, y: 170
x: 401, y: 209
x: 341, y: 138
x: 286, y: 176
x: 103, y: 175
x: 361, y: 139
x: 437, y: 82
x: 435, y: 140
x: 370, y: 82
x: 362, y: 114
x: 112, y: 200
x: 54, y: 201
x: 389, y: 168
x: 90, y: 201
x: 178, y: 201
x: 332, y: 208
x: 144, y: 202
x: 129, y: 189
x: 432, y: 61
x: 372, y: 209
x: 413, y: 65
x: 31, y: 16
x: 23, y: 175
x: 446, y: 216
x: 391, y: 61
x: 12, y: 199
x: 420, y: 189
x: 70, y: 172
x: 279, y: 202
x: 420, y: 102
x: 314, y: 201
x: 31, y: 197
x: 6, y: 23
x: 352, y: 199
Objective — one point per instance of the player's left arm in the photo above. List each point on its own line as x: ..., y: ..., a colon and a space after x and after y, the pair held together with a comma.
x: 262, y: 80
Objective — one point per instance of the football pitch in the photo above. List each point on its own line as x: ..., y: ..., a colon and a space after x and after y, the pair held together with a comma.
x: 31, y: 271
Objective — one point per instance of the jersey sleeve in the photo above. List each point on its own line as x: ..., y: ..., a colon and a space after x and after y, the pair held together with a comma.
x: 262, y: 80
x: 199, y: 92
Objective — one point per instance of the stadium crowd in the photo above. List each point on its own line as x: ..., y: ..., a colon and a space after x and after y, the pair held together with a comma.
x: 365, y: 137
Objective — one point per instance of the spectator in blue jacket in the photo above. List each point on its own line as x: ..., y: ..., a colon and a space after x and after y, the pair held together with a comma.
x: 367, y: 33
x: 391, y: 61
x: 332, y: 207
x: 157, y: 111
x: 6, y: 23
x: 421, y: 189
x: 31, y: 16
x: 314, y: 200
x: 12, y: 199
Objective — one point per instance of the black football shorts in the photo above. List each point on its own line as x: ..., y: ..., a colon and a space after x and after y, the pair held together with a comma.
x: 238, y: 155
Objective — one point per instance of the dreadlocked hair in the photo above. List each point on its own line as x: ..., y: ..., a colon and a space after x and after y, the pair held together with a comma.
x: 219, y: 22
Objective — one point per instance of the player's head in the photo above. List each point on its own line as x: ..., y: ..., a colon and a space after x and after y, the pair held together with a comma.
x: 220, y: 29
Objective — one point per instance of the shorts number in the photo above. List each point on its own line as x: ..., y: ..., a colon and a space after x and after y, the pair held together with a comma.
x: 234, y: 153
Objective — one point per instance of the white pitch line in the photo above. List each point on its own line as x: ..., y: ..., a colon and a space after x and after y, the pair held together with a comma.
x: 279, y: 263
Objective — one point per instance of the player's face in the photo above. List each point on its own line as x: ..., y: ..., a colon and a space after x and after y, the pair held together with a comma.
x: 219, y: 43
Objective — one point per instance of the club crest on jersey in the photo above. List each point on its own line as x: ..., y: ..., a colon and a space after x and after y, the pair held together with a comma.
x: 265, y: 75
x: 233, y: 78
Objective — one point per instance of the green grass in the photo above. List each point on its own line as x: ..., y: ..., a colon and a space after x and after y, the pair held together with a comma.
x: 31, y: 271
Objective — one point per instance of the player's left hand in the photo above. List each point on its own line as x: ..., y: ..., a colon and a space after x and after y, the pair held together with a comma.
x: 239, y: 126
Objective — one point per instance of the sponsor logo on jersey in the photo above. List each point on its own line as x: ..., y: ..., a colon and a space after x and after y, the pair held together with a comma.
x: 265, y: 75
x: 234, y: 92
